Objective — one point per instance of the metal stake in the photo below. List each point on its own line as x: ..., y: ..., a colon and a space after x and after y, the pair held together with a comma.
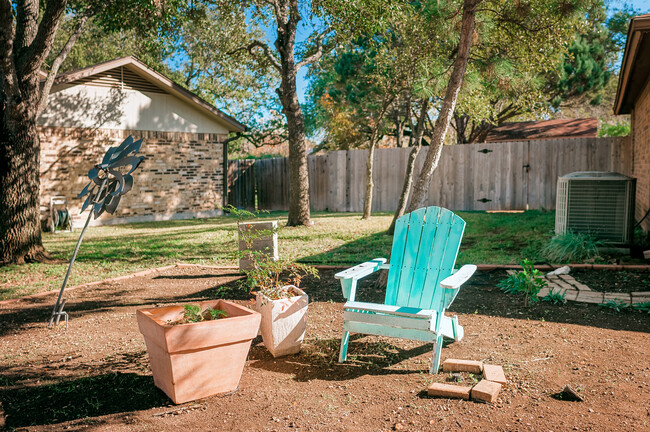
x: 57, y: 312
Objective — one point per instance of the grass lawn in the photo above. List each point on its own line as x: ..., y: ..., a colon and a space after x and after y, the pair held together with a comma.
x: 335, y: 238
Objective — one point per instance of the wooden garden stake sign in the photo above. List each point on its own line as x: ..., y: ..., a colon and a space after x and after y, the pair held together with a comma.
x: 109, y: 180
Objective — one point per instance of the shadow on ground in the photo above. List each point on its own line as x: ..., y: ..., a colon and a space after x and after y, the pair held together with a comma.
x: 79, y: 398
x: 318, y: 359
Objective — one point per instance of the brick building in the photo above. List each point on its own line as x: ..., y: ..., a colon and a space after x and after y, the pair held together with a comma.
x: 97, y: 107
x: 633, y: 97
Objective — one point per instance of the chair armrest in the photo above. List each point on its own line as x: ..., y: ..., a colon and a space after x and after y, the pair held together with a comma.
x: 350, y: 276
x: 460, y: 277
x: 361, y: 270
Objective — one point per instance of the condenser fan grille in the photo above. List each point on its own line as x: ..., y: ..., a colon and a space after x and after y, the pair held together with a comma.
x: 601, y: 204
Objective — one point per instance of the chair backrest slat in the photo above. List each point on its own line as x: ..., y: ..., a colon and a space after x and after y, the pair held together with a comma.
x: 396, y: 257
x: 425, y: 246
x: 411, y: 252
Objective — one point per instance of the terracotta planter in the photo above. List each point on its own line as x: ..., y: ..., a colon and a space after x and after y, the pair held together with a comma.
x: 283, y: 322
x: 196, y: 360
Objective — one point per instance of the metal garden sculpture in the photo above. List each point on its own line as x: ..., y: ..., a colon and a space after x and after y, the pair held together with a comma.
x: 109, y: 180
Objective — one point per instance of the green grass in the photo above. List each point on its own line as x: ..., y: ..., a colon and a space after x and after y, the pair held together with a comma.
x: 335, y: 238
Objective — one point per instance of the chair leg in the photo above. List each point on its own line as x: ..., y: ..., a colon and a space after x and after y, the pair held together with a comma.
x: 437, y: 351
x: 344, y: 346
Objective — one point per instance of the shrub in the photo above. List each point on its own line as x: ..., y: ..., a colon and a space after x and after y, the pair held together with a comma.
x: 616, y: 305
x: 555, y: 297
x: 572, y: 247
x: 528, y: 282
x: 642, y: 307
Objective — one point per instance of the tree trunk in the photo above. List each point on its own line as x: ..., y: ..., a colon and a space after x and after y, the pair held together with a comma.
x: 447, y: 109
x: 20, y: 226
x: 410, y: 165
x: 25, y: 42
x: 298, y: 170
x: 370, y: 185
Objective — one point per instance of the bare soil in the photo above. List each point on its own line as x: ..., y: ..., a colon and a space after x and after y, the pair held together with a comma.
x: 626, y: 281
x: 95, y: 376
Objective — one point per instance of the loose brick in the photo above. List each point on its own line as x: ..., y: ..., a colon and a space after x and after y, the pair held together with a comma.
x: 455, y: 365
x: 449, y: 391
x: 494, y: 373
x: 486, y: 391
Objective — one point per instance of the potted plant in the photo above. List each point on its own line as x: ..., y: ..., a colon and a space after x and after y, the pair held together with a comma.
x: 281, y: 302
x: 198, y: 350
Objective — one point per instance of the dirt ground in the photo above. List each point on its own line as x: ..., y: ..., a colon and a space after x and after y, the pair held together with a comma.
x: 626, y: 281
x: 95, y: 375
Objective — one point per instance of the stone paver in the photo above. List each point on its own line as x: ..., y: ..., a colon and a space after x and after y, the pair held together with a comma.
x: 590, y: 297
x: 486, y: 391
x: 577, y: 291
x: 571, y: 295
x: 455, y: 365
x: 494, y: 373
x: 449, y: 391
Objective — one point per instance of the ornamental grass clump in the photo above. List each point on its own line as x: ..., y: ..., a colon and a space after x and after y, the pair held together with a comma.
x: 572, y: 247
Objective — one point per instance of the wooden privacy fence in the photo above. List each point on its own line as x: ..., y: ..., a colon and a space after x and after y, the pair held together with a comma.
x: 490, y: 176
x: 241, y: 183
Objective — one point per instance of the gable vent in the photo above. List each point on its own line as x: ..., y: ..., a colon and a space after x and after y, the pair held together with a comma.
x: 597, y: 203
x: 120, y: 77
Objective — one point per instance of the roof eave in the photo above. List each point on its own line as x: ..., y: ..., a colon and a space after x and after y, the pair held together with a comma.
x: 639, y: 26
x: 161, y: 80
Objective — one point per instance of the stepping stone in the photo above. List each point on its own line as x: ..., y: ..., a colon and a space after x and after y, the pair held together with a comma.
x: 590, y: 297
x: 563, y: 284
x: 622, y: 297
x: 455, y: 365
x: 449, y: 391
x: 494, y: 373
x: 486, y: 391
x: 571, y: 295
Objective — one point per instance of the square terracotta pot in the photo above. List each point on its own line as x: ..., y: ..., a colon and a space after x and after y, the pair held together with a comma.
x: 196, y: 360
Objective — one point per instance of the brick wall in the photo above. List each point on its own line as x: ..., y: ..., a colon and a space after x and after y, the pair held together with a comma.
x: 181, y: 177
x: 641, y: 142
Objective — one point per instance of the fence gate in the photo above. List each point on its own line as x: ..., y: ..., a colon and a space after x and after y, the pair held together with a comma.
x: 241, y: 183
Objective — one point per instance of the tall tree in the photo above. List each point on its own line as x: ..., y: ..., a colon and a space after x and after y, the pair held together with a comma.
x: 26, y: 40
x: 287, y: 59
x: 576, y: 82
x: 421, y: 186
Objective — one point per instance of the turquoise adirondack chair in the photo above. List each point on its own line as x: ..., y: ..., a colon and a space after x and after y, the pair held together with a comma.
x: 422, y: 283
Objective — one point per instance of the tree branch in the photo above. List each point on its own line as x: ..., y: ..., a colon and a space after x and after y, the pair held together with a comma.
x: 265, y: 49
x: 60, y: 58
x: 26, y: 25
x: 319, y: 50
x: 32, y: 59
x: 7, y: 66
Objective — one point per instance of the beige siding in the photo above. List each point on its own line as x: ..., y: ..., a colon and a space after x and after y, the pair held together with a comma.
x: 93, y: 107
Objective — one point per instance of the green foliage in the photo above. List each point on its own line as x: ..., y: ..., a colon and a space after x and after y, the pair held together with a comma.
x: 528, y: 282
x: 616, y: 305
x: 192, y: 313
x: 642, y: 307
x: 621, y: 128
x: 242, y: 214
x: 572, y: 247
x: 335, y: 238
x: 271, y: 277
x: 555, y: 297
